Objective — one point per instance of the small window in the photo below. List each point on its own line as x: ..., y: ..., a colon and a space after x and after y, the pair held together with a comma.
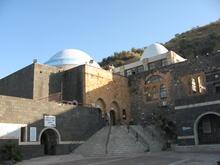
x: 140, y: 69
x: 152, y: 66
x: 164, y: 62
x: 124, y: 116
x: 163, y: 91
x: 129, y: 72
x: 197, y: 85
x: 200, y: 85
x: 23, y: 134
x: 217, y: 88
x: 193, y: 83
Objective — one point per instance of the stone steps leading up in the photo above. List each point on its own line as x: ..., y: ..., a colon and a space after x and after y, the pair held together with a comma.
x: 120, y: 142
x: 150, y: 136
x: 95, y: 145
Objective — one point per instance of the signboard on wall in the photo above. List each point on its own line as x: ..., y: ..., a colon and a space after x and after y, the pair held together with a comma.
x: 49, y: 121
x: 33, y: 134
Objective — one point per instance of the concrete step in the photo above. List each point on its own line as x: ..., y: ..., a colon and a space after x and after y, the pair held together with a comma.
x: 150, y: 135
x: 197, y: 148
x: 120, y: 143
x: 95, y: 145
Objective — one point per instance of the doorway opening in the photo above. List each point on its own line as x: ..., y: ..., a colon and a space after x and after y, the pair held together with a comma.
x: 209, y: 129
x: 49, y: 139
x: 112, y: 117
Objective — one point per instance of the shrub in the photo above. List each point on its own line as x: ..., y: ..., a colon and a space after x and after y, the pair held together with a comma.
x: 10, y: 151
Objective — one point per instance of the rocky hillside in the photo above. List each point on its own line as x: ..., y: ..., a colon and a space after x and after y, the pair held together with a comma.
x: 198, y: 41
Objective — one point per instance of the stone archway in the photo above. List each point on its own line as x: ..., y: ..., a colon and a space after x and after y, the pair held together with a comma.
x: 112, y: 117
x: 101, y: 105
x: 207, y: 128
x: 49, y: 137
x: 114, y: 113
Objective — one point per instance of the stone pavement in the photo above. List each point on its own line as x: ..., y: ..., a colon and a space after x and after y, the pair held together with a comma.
x: 159, y: 158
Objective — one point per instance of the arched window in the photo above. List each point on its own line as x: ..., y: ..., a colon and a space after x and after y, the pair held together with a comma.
x: 153, y: 79
x: 193, y: 83
x: 163, y: 91
x: 197, y: 85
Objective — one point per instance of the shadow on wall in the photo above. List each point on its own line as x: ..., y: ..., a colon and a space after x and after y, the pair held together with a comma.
x: 111, y: 97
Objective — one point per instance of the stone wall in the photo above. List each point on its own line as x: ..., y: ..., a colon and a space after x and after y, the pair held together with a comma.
x: 72, y: 123
x: 176, y: 78
x: 35, y: 81
x: 186, y: 117
x: 19, y: 84
x: 111, y: 88
x: 73, y: 84
x: 47, y: 81
x: 139, y: 88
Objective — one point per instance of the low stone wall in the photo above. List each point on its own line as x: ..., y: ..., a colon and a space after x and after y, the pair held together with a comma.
x: 73, y: 124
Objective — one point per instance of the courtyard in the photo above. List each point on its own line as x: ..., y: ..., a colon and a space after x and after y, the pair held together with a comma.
x: 159, y: 158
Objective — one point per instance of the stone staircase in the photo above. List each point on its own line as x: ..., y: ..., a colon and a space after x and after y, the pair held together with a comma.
x: 122, y: 142
x: 111, y: 140
x: 150, y: 135
x: 119, y: 140
x: 95, y: 145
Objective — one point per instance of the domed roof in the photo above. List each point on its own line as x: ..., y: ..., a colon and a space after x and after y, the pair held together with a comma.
x: 71, y: 57
x: 153, y: 50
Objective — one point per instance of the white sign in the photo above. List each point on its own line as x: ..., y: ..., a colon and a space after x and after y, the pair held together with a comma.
x: 50, y: 121
x: 186, y: 128
x: 33, y: 134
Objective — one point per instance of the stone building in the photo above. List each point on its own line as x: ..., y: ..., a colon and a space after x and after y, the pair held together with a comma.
x: 52, y: 108
x: 187, y: 90
x: 65, y: 100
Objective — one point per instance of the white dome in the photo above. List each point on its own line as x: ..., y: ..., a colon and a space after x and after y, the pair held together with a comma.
x: 153, y: 50
x: 72, y: 57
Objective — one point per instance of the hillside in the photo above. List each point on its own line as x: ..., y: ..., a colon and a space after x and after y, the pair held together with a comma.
x: 122, y: 58
x: 198, y: 41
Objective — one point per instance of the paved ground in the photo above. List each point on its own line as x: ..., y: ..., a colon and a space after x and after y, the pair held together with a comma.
x: 161, y: 158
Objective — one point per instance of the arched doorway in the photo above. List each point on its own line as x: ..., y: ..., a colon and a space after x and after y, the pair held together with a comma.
x: 101, y: 105
x: 49, y: 138
x: 207, y: 128
x: 112, y: 117
x: 114, y: 113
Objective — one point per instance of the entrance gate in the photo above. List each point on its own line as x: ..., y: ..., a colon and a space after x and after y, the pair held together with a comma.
x: 209, y: 129
x: 49, y: 139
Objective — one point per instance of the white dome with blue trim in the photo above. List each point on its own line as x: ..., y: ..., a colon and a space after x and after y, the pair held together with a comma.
x: 71, y: 57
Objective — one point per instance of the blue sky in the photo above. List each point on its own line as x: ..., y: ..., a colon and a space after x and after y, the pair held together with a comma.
x: 37, y: 29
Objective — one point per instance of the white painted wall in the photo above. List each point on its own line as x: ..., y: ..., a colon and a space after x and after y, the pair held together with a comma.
x: 10, y: 130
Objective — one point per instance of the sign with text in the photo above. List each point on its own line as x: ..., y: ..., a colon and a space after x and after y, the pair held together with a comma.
x: 49, y: 121
x: 33, y: 134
